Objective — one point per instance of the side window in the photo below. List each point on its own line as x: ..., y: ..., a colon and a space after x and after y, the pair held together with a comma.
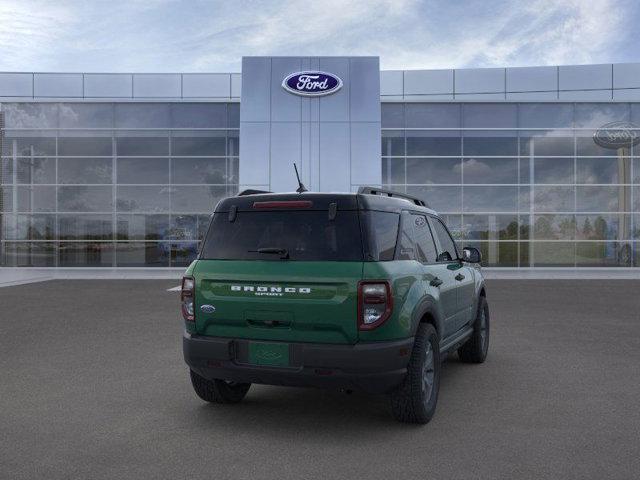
x: 424, y: 241
x: 447, y: 251
x: 381, y: 231
x: 406, y: 241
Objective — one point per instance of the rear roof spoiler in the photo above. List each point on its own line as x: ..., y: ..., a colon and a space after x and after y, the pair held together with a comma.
x: 251, y: 191
x: 391, y: 193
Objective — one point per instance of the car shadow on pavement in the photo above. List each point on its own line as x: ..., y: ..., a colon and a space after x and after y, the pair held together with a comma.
x: 286, y: 410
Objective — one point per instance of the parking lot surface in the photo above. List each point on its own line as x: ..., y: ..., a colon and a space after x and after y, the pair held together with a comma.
x: 92, y: 385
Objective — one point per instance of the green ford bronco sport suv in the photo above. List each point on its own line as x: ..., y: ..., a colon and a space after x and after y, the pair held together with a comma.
x: 351, y: 291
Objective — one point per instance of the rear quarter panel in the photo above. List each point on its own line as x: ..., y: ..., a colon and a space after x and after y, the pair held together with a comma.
x: 408, y: 292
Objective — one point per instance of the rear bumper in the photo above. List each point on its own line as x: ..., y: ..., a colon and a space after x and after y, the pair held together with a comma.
x: 376, y: 367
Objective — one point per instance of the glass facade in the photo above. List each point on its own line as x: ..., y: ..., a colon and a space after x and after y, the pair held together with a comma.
x: 132, y: 184
x: 113, y: 184
x: 526, y: 183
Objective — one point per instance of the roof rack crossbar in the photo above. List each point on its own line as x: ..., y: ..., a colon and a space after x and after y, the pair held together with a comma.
x: 391, y: 193
x: 251, y: 191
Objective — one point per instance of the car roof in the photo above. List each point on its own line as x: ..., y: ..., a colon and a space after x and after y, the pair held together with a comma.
x: 321, y: 201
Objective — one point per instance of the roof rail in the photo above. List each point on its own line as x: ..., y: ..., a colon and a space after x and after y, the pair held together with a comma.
x: 391, y: 193
x: 250, y: 191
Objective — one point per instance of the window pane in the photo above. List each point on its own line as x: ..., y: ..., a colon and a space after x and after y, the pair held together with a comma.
x: 585, y: 145
x: 85, y: 227
x: 598, y: 114
x: 188, y: 227
x: 487, y: 115
x: 393, y: 170
x: 6, y: 199
x: 406, y: 239
x: 34, y: 227
x: 196, y: 199
x: 209, y: 144
x: 432, y: 143
x: 546, y: 144
x: 434, y: 170
x: 545, y: 115
x: 490, y: 170
x: 91, y: 146
x: 553, y: 170
x: 554, y: 227
x: 41, y: 254
x: 79, y: 254
x: 183, y: 253
x: 441, y: 199
x: 490, y: 145
x: 600, y: 199
x: 6, y: 170
x: 29, y: 146
x: 200, y: 170
x: 603, y: 254
x: 381, y: 234
x: 424, y: 241
x: 233, y: 143
x: 604, y: 227
x: 36, y: 199
x: 30, y: 115
x: 432, y: 115
x: 392, y: 143
x: 392, y: 115
x: 143, y: 199
x: 142, y: 146
x: 199, y: 115
x: 86, y: 115
x: 143, y: 170
x: 554, y: 199
x: 603, y: 170
x: 490, y: 227
x: 233, y: 112
x: 85, y: 199
x: 497, y: 254
x: 142, y: 254
x: 553, y: 254
x: 36, y: 170
x: 447, y: 250
x: 142, y: 115
x: 142, y: 227
x: 85, y: 170
x: 491, y: 199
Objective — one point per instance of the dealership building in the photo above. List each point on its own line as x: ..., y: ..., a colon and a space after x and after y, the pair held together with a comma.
x: 538, y: 167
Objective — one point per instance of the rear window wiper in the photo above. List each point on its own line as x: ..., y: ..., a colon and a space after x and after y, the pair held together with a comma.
x: 283, y: 252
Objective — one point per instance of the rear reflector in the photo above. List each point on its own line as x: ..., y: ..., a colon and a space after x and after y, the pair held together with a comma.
x: 284, y: 204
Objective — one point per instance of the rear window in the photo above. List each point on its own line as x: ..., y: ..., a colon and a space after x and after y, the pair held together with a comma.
x: 305, y: 235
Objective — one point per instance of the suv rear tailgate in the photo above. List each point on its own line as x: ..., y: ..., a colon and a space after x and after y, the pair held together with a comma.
x: 291, y: 301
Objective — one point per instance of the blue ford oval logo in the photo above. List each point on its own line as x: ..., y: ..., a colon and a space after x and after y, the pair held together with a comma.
x: 208, y: 308
x: 312, y: 83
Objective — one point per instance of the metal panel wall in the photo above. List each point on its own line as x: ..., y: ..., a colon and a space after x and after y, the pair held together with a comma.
x: 334, y: 139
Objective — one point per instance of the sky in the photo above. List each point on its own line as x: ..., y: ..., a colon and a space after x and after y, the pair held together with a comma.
x: 212, y: 36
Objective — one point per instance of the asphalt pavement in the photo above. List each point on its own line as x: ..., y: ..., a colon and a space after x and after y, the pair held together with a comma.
x: 93, y: 385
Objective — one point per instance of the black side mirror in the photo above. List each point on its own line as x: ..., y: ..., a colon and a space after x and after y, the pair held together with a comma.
x: 471, y: 255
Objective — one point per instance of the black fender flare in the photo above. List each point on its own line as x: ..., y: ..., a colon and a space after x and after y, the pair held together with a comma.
x: 427, y: 305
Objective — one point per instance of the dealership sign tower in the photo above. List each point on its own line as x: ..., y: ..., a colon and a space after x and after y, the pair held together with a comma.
x: 321, y: 112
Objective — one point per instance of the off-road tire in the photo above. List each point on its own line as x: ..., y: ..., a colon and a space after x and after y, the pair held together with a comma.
x: 476, y: 348
x: 218, y: 391
x: 413, y: 401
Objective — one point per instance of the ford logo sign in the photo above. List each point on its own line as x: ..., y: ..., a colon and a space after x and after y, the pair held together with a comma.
x: 617, y: 135
x: 207, y: 308
x: 312, y: 83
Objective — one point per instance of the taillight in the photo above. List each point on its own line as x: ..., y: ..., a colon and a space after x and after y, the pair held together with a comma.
x: 187, y: 298
x: 375, y: 303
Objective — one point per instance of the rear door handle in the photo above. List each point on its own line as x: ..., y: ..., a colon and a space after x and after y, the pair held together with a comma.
x: 459, y: 277
x: 436, y: 282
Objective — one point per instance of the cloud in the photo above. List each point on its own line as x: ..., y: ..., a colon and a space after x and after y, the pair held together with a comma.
x: 166, y: 35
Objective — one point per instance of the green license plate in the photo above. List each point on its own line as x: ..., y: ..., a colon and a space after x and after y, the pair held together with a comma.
x: 272, y: 354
